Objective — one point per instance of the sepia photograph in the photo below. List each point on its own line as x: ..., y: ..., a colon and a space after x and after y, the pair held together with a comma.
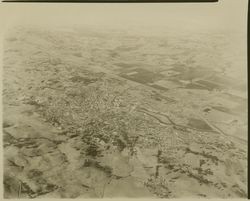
x: 125, y: 100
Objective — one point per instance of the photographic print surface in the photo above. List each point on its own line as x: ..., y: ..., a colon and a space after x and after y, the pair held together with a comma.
x: 129, y: 100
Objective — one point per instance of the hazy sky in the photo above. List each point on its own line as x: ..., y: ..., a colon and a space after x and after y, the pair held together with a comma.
x: 226, y: 14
